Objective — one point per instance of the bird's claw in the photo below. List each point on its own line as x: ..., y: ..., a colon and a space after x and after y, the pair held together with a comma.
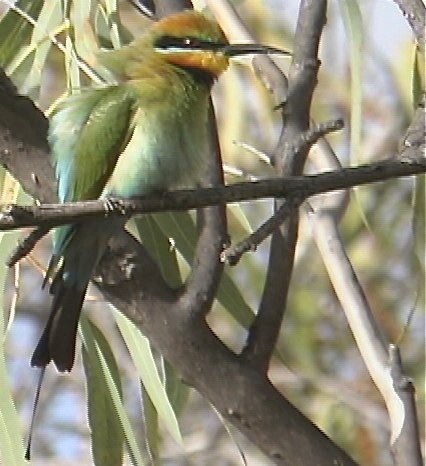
x: 114, y: 205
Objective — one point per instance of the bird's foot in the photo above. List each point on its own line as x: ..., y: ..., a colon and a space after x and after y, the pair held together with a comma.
x: 114, y: 204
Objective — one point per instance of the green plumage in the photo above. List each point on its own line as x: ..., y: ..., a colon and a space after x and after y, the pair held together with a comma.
x: 146, y: 132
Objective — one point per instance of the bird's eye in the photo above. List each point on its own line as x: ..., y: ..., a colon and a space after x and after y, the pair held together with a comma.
x: 189, y: 43
x: 168, y: 42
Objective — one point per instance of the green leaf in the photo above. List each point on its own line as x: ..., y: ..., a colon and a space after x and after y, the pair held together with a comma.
x: 72, y: 70
x: 164, y: 254
x: 354, y: 29
x: 240, y: 217
x: 11, y: 442
x: 352, y: 19
x: 106, y: 431
x: 419, y: 234
x: 150, y: 419
x: 101, y: 27
x: 48, y: 20
x: 107, y: 415
x: 140, y: 351
x: 113, y: 23
x: 118, y: 33
x: 158, y: 244
x: 177, y: 391
x: 85, y: 41
x: 180, y: 227
x: 418, y: 78
x: 17, y: 29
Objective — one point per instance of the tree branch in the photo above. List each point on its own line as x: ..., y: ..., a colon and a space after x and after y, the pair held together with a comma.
x: 415, y: 13
x: 295, y: 187
x: 200, y: 288
x: 132, y: 281
x: 289, y: 160
x: 371, y: 339
x: 405, y: 444
x: 238, y: 391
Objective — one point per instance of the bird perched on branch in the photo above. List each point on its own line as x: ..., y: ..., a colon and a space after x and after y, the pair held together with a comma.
x: 146, y: 132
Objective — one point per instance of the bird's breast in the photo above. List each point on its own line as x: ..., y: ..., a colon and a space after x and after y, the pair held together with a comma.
x: 166, y: 149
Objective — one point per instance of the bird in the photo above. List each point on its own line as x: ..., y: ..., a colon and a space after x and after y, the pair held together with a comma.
x: 144, y: 132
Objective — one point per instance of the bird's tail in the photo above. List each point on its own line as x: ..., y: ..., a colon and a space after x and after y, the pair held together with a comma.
x: 83, y: 247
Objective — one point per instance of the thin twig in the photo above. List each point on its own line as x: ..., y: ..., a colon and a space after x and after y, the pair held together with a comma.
x: 233, y: 254
x: 309, y: 137
x: 27, y: 245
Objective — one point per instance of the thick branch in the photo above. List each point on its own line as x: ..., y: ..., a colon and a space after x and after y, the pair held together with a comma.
x: 239, y: 392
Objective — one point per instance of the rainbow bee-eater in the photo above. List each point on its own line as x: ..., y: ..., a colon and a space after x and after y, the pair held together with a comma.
x: 145, y: 133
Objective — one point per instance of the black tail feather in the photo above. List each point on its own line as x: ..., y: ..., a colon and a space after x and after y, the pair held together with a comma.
x: 70, y: 269
x: 57, y: 342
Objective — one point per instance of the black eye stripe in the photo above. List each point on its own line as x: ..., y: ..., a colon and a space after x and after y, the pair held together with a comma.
x: 188, y: 42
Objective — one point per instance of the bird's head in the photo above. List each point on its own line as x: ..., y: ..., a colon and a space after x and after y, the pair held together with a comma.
x: 187, y: 40
x: 190, y: 40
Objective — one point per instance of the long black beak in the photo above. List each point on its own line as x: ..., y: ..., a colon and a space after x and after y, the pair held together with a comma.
x: 233, y: 50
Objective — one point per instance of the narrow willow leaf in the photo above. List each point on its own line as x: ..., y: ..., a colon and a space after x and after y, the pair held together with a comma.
x: 164, y: 254
x: 48, y: 20
x: 118, y: 33
x: 352, y: 19
x: 354, y: 29
x: 113, y: 22
x: 106, y: 431
x: 237, y: 212
x: 419, y: 235
x: 72, y: 70
x: 160, y: 248
x: 17, y: 29
x: 150, y: 418
x: 418, y: 78
x: 140, y: 351
x: 98, y: 363
x: 181, y: 228
x: 11, y: 442
x: 177, y: 391
x: 85, y: 41
x: 419, y: 207
x: 102, y: 27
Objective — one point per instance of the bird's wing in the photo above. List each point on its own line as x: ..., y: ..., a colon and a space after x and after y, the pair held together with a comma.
x: 87, y: 135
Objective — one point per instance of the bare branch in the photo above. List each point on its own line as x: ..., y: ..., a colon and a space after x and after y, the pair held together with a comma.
x: 405, y: 445
x: 300, y: 187
x: 415, y: 13
x: 27, y: 245
x: 372, y: 344
x: 239, y: 392
x: 289, y: 161
x: 132, y: 281
x: 233, y: 254
x: 200, y: 288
